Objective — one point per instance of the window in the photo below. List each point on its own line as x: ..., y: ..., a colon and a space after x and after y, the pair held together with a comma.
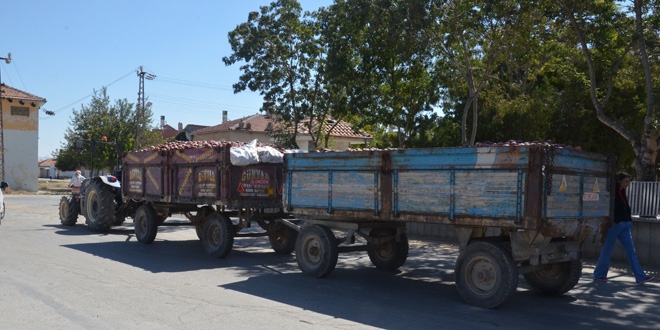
x: 20, y: 111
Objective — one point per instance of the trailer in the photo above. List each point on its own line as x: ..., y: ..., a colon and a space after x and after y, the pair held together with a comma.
x: 524, y: 209
x: 218, y: 198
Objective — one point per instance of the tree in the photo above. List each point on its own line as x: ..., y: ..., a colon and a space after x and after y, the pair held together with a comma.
x: 610, y: 39
x: 378, y: 53
x: 93, y: 121
x: 470, y: 36
x: 281, y: 57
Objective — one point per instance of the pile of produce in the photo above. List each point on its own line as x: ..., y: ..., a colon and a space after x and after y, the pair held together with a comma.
x: 181, y: 145
x: 519, y: 143
x: 510, y: 143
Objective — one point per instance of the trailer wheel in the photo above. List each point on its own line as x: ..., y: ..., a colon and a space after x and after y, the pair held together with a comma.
x: 486, y: 275
x: 100, y: 206
x: 555, y: 279
x: 68, y: 210
x: 119, y: 219
x: 199, y: 230
x: 199, y: 218
x: 282, y: 237
x: 316, y: 251
x: 146, y: 224
x: 218, y: 235
x: 390, y: 255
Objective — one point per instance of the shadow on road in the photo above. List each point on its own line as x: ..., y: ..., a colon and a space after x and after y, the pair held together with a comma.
x: 419, y: 295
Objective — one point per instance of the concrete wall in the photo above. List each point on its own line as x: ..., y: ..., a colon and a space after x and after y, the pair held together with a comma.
x: 21, y: 160
x: 645, y: 232
x: 20, y: 143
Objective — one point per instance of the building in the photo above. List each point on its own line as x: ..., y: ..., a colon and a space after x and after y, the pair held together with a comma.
x: 259, y: 127
x: 47, y: 169
x: 20, y: 124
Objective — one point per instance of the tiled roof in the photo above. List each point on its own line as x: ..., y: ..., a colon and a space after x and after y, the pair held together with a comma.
x: 169, y: 131
x: 259, y: 123
x: 48, y: 162
x: 341, y: 128
x: 8, y: 92
x: 193, y: 128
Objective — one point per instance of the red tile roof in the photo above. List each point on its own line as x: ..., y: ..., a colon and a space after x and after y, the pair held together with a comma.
x: 259, y: 123
x: 48, y: 162
x: 8, y: 92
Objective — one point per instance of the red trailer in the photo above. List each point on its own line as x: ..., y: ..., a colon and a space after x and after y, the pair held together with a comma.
x: 219, y: 198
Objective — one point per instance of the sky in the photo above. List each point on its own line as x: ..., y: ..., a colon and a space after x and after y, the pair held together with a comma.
x: 65, y: 50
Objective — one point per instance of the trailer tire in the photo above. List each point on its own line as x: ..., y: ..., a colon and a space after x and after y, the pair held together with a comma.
x: 119, y: 219
x: 100, y: 206
x: 282, y: 237
x: 199, y: 230
x: 390, y: 255
x: 146, y: 224
x: 68, y: 210
x: 486, y: 275
x: 218, y: 235
x: 317, y: 251
x: 555, y: 279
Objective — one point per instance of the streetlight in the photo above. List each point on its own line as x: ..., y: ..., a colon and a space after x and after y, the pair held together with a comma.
x: 2, y: 123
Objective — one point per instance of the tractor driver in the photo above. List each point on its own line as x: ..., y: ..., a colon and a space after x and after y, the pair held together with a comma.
x: 75, y: 182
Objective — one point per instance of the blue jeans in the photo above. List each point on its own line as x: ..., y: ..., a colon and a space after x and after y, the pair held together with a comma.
x: 619, y: 231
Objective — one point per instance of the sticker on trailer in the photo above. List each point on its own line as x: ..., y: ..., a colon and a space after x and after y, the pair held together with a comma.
x: 563, y: 186
x: 596, y: 188
x: 206, y: 183
x: 135, y: 180
x: 591, y: 197
x: 255, y: 183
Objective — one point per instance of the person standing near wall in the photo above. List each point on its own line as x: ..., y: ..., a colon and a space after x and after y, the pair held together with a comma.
x: 620, y: 231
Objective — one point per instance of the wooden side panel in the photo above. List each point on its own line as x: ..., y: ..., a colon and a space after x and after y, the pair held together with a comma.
x: 488, y: 194
x: 353, y: 190
x: 308, y: 189
x: 427, y: 192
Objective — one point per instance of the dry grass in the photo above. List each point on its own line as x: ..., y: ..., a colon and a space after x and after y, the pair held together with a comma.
x: 46, y: 186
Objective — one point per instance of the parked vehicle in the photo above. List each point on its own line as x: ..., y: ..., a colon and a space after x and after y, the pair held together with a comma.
x: 3, y: 186
x: 516, y: 209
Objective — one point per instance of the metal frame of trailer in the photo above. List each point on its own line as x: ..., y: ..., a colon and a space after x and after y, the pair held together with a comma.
x: 516, y: 210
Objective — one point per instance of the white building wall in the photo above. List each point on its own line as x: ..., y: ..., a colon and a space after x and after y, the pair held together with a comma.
x: 21, y: 160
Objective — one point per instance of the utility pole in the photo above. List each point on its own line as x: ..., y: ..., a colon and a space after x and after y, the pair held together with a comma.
x: 140, y: 106
x: 2, y: 123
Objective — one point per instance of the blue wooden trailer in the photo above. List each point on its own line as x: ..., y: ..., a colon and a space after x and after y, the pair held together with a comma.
x: 516, y: 210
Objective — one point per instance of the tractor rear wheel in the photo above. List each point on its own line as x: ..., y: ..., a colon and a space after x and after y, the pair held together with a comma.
x: 100, y: 206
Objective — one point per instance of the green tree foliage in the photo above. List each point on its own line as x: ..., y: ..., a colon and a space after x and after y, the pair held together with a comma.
x: 617, y: 43
x: 282, y: 59
x: 378, y: 51
x: 92, y: 122
x: 418, y: 73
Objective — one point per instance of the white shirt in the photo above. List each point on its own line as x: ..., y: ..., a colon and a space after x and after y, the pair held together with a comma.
x: 76, y: 180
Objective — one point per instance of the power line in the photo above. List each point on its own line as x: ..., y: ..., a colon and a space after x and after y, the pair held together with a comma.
x: 88, y: 95
x: 193, y: 83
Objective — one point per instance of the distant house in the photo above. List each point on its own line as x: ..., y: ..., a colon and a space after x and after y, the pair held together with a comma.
x: 259, y: 127
x: 169, y: 132
x: 47, y: 169
x: 20, y: 126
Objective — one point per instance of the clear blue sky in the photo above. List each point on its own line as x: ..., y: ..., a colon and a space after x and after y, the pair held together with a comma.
x: 64, y: 50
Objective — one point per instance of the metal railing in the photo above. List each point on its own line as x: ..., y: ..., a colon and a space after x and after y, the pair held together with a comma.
x: 644, y: 198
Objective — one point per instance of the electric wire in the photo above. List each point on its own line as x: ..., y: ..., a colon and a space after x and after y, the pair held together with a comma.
x: 86, y: 96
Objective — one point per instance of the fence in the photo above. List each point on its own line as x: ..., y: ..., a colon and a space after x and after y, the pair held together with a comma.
x: 644, y: 198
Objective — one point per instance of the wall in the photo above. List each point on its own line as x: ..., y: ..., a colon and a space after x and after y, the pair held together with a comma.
x: 21, y: 160
x: 21, y: 147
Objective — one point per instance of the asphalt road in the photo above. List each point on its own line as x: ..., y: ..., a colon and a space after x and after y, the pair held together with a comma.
x: 57, y: 277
